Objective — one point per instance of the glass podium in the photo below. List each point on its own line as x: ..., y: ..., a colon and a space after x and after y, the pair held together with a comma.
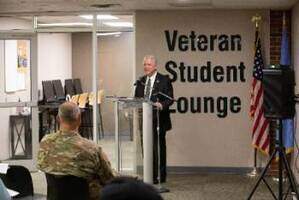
x: 142, y: 136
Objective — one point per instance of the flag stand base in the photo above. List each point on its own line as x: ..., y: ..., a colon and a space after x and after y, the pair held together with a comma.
x: 253, y: 173
x: 162, y: 189
x: 280, y: 151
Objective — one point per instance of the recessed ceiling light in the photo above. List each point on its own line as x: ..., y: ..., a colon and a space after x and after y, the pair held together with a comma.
x: 102, y: 17
x: 119, y: 24
x: 108, y: 33
x: 64, y: 24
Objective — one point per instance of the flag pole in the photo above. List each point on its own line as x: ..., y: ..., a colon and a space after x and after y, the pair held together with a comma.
x: 256, y: 20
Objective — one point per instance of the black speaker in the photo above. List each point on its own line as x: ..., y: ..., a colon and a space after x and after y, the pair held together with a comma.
x: 278, y: 84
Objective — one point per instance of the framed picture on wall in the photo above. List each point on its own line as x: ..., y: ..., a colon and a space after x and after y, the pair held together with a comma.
x: 17, y: 63
x: 23, y: 48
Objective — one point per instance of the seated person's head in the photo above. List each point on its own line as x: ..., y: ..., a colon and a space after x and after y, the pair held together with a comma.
x: 69, y: 116
x: 127, y: 188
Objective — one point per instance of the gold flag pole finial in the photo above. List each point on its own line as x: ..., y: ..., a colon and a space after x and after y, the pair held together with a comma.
x: 256, y: 19
x: 284, y: 19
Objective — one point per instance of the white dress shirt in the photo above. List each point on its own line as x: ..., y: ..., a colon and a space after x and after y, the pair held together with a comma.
x: 153, y: 78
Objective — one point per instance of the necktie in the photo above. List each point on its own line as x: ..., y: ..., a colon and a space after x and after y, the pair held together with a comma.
x: 148, y: 89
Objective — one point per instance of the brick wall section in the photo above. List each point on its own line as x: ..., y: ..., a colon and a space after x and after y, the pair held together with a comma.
x: 276, y: 18
x: 275, y: 33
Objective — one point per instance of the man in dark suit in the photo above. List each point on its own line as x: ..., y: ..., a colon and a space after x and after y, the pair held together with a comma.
x: 152, y: 86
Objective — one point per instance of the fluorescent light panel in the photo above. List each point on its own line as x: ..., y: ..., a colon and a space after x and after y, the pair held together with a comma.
x: 101, y: 17
x: 65, y: 24
x: 119, y: 24
x: 108, y: 33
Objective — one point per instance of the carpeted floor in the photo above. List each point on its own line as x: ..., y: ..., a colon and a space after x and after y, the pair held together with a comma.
x: 195, y: 187
x: 220, y: 187
x: 183, y: 186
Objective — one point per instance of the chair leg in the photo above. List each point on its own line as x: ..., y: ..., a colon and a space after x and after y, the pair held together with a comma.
x: 101, y: 123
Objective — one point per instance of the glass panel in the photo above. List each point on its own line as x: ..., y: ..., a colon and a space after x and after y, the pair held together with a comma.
x: 130, y: 145
x: 15, y: 65
x: 16, y: 134
x: 107, y: 139
x: 137, y: 114
x: 127, y: 157
x: 116, y: 55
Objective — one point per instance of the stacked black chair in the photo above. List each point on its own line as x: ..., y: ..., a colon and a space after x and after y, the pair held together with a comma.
x: 69, y: 87
x: 77, y: 86
x: 54, y: 95
x: 85, y: 129
x: 58, y: 89
x: 48, y: 92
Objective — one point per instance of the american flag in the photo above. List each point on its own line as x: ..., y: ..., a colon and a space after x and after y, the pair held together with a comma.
x: 260, y: 135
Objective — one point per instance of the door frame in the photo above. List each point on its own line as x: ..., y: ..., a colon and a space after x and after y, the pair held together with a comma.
x: 33, y: 103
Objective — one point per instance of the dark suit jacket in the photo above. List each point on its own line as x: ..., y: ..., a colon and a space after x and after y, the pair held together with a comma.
x: 162, y: 84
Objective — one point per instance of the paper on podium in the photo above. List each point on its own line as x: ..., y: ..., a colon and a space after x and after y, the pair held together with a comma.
x: 3, y: 168
x: 75, y: 99
x: 83, y: 100
x: 12, y: 193
x: 100, y: 96
x: 91, y: 97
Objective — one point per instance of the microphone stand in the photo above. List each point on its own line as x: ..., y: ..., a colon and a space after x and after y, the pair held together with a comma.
x: 160, y: 188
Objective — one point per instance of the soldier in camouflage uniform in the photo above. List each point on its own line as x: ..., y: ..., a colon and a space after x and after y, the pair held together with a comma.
x: 67, y: 153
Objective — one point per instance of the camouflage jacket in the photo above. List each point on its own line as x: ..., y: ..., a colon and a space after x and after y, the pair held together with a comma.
x: 63, y: 153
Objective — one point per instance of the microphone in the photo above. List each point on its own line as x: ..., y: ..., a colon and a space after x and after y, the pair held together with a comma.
x: 165, y: 95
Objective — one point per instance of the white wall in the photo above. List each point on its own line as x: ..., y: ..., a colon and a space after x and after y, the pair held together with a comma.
x: 82, y: 57
x: 295, y: 56
x: 54, y: 57
x: 203, y: 139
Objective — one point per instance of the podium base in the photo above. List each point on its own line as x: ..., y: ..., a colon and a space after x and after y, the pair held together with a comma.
x: 253, y: 173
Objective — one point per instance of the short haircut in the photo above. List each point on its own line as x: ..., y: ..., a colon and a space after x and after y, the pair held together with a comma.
x: 68, y: 112
x: 128, y: 188
x: 151, y: 57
